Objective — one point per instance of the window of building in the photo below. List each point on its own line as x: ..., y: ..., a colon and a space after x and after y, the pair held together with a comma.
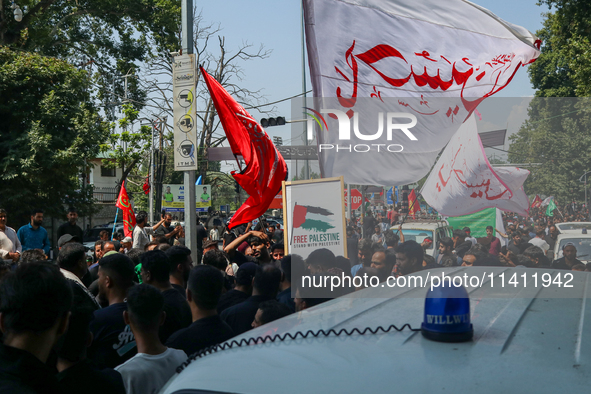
x: 108, y: 171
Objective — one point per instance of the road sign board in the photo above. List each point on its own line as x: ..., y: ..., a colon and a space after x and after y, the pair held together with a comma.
x: 355, y: 199
x: 185, y: 134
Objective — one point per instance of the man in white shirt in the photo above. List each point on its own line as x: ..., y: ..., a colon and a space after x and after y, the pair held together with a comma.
x: 10, y: 246
x: 154, y: 364
x: 538, y: 240
x: 468, y: 236
x: 142, y: 231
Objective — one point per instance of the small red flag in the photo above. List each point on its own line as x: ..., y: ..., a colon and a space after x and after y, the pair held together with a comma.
x: 537, y: 202
x: 128, y: 214
x: 265, y: 167
x: 413, y: 203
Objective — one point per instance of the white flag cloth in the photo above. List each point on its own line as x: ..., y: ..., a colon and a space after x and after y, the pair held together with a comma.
x: 463, y: 181
x: 546, y: 201
x: 439, y: 59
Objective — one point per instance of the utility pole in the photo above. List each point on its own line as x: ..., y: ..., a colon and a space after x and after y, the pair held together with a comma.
x: 306, y: 165
x: 189, y: 176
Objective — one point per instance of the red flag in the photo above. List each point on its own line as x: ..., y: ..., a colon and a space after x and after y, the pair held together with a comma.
x: 265, y: 167
x: 128, y: 214
x: 413, y: 203
x: 537, y: 202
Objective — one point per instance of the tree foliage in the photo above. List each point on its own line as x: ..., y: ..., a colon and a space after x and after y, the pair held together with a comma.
x: 556, y: 137
x: 49, y: 127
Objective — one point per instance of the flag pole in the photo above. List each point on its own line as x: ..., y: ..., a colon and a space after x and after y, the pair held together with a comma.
x: 291, y: 238
x: 114, y: 224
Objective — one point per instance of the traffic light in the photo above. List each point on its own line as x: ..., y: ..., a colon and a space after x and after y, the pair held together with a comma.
x: 278, y: 121
x: 237, y: 187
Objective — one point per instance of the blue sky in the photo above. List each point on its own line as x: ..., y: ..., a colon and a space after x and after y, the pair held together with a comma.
x: 276, y: 25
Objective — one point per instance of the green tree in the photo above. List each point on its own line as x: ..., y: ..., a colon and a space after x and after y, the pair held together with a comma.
x: 49, y: 128
x: 556, y: 137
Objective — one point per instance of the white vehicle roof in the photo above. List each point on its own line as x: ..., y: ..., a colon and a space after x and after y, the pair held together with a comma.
x: 418, y: 225
x: 526, y: 341
x: 573, y: 227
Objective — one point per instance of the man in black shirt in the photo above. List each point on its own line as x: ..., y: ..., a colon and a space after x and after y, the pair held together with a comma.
x: 155, y: 271
x: 114, y: 342
x: 264, y: 288
x: 257, y: 240
x: 75, y: 370
x: 180, y: 266
x: 569, y: 258
x: 201, y: 236
x: 517, y: 245
x: 70, y: 227
x: 35, y: 303
x: 167, y: 230
x: 242, y: 290
x: 461, y: 246
x: 369, y: 224
x: 203, y: 293
x: 550, y: 239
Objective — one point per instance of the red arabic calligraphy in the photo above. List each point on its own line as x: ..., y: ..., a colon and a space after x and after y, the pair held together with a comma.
x: 498, y: 65
x: 478, y: 190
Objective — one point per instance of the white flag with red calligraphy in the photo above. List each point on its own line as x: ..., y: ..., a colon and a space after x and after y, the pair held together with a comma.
x: 438, y: 59
x: 463, y: 181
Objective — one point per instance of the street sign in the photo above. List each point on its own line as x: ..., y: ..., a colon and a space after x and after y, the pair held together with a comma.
x: 184, y: 111
x: 355, y: 199
x: 389, y: 199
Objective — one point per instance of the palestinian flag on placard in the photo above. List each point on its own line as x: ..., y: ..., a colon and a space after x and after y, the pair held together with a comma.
x: 312, y: 218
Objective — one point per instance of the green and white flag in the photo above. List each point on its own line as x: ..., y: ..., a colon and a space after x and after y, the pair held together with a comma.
x: 551, y: 208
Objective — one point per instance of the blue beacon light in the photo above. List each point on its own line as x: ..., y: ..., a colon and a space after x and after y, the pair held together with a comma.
x: 447, y: 314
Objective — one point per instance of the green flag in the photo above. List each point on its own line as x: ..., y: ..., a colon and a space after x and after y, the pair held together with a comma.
x: 551, y: 208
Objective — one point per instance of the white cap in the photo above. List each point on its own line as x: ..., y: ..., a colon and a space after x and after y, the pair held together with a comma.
x: 127, y: 239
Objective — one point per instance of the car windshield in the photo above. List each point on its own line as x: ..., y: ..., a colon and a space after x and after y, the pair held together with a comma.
x: 574, y: 226
x: 583, y: 246
x: 415, y: 235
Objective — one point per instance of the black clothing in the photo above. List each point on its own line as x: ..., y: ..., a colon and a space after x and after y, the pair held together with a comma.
x: 113, y: 342
x: 163, y: 230
x: 278, y: 235
x: 284, y: 297
x: 352, y: 249
x: 178, y: 314
x: 85, y: 377
x: 201, y: 334
x: 463, y: 248
x: 369, y: 224
x: 23, y: 373
x: 231, y: 298
x: 448, y: 261
x: 240, y: 258
x: 518, y: 249
x: 201, y: 234
x: 73, y: 230
x: 550, y: 241
x: 560, y: 264
x: 180, y: 289
x: 240, y: 317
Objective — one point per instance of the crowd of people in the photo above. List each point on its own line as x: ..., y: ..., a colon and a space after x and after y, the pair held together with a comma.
x: 125, y: 319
